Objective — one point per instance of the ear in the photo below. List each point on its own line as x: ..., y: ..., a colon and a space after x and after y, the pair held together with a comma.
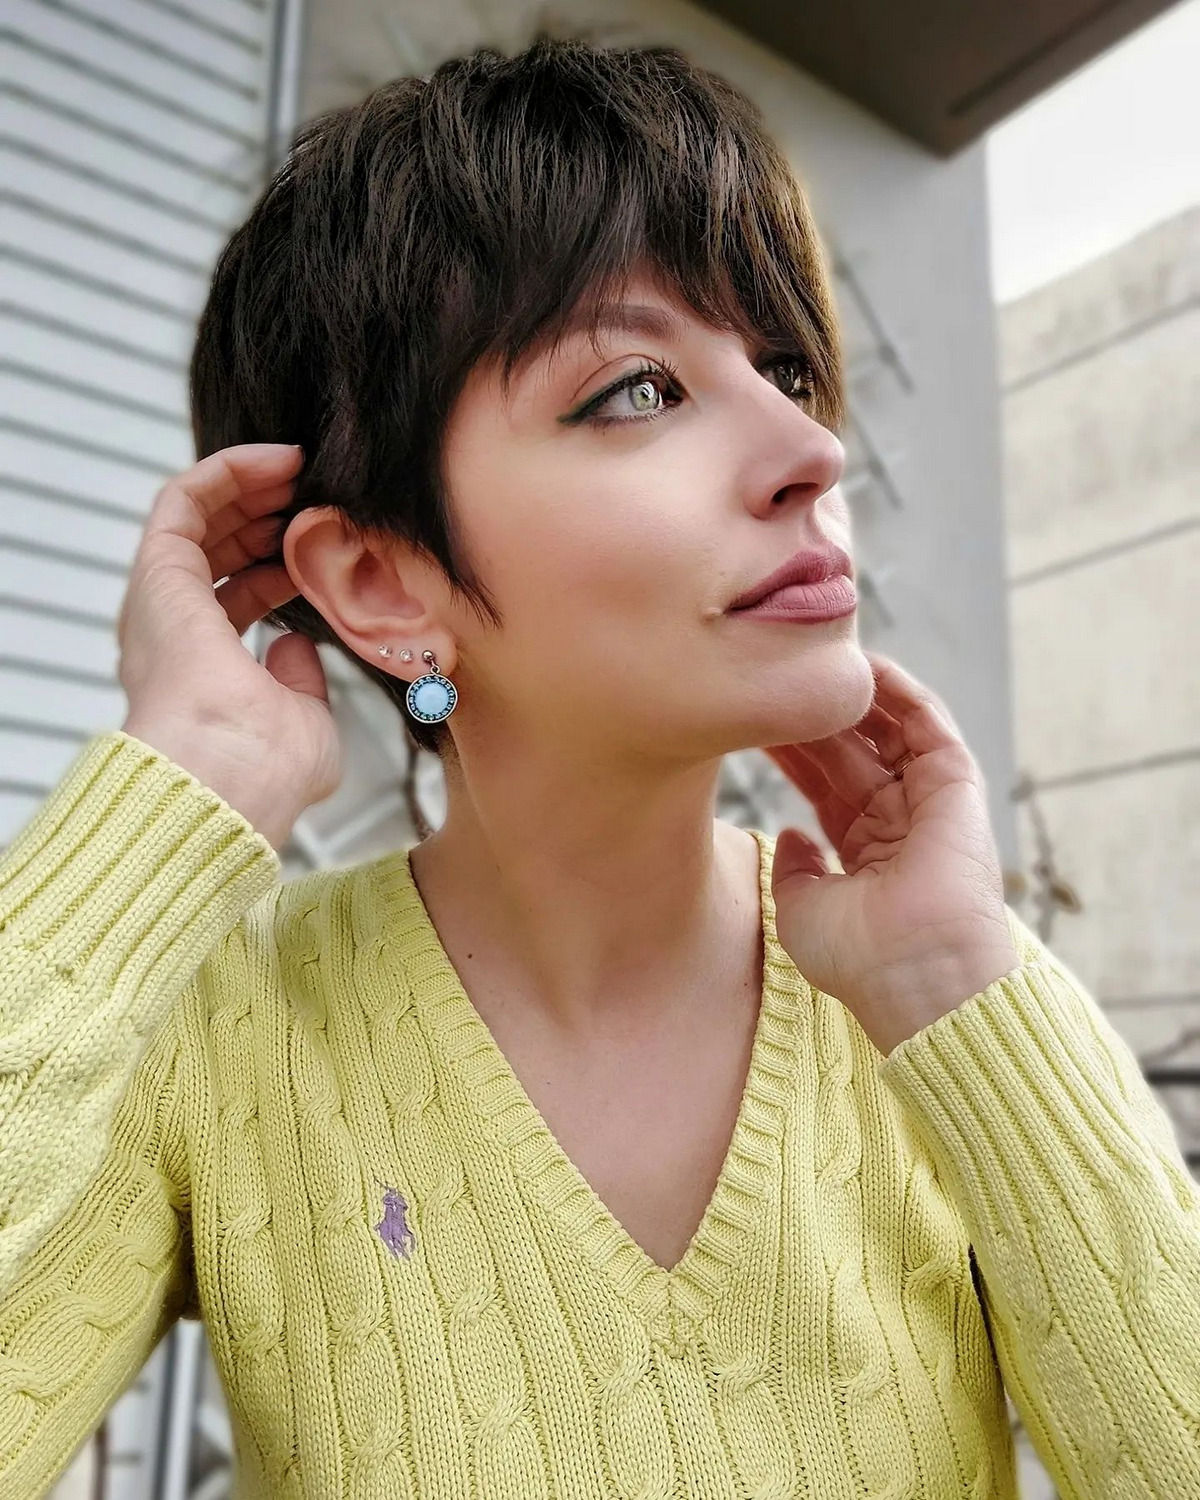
x: 372, y: 589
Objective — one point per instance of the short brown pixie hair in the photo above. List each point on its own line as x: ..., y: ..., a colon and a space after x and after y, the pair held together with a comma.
x: 461, y: 217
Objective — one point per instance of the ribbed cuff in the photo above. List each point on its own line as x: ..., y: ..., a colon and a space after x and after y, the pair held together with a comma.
x: 1024, y: 1084
x: 131, y: 867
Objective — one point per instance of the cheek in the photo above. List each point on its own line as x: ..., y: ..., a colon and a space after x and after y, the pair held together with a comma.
x: 835, y: 508
x: 617, y: 542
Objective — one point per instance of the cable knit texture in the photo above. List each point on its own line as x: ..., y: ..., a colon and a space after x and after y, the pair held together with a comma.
x: 272, y: 1106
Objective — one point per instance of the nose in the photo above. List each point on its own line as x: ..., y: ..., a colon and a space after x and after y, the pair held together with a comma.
x: 797, y: 456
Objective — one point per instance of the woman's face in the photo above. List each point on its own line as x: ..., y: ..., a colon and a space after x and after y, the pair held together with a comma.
x: 613, y: 535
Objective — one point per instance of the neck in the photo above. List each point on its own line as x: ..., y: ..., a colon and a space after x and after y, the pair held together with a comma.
x: 601, y: 905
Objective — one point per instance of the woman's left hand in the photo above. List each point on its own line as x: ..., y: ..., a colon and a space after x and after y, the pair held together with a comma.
x: 917, y: 924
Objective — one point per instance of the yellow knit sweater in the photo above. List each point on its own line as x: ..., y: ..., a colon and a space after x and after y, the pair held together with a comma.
x: 272, y: 1106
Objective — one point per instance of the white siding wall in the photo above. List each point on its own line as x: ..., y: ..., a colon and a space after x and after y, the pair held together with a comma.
x: 131, y: 140
x: 133, y: 135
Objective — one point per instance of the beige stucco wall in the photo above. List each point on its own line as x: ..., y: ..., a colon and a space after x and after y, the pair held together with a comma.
x: 1101, y: 421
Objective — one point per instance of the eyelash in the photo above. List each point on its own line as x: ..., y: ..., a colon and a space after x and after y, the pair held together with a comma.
x: 670, y: 373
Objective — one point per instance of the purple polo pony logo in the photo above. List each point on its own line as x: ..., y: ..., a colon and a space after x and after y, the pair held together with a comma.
x: 393, y: 1229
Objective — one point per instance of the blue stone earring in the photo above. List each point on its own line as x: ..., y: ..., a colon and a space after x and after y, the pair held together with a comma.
x: 430, y: 697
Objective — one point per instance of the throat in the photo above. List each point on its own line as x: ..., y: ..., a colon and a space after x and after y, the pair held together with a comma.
x: 649, y: 1124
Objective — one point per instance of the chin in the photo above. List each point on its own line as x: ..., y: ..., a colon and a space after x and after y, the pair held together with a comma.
x: 834, y: 695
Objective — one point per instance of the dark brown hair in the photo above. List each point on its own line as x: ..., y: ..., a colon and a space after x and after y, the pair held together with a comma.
x: 445, y: 220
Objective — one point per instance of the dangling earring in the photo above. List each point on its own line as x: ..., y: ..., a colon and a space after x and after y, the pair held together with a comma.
x: 430, y: 697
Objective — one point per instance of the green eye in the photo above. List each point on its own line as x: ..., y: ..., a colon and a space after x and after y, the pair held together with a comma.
x: 643, y: 388
x: 642, y: 385
x: 662, y: 381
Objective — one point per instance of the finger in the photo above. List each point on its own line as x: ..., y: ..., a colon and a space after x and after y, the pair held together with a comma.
x: 255, y: 540
x: 851, y: 764
x: 240, y: 476
x: 807, y: 777
x: 294, y: 661
x: 884, y: 732
x: 246, y: 479
x: 266, y: 502
x: 925, y: 720
x: 797, y: 854
x: 249, y: 595
x: 814, y: 855
x: 834, y: 814
x: 898, y: 691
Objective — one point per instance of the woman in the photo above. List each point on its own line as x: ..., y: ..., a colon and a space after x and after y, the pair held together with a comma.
x: 593, y: 1147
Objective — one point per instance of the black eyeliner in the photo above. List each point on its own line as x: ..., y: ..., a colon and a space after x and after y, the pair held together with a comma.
x: 581, y: 413
x: 670, y: 374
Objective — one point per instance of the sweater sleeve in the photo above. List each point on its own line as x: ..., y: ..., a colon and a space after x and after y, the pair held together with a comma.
x: 110, y: 898
x: 1084, y: 1221
x: 93, y: 1299
x: 128, y: 878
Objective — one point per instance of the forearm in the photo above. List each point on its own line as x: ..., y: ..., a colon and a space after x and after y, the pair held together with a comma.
x: 127, y: 877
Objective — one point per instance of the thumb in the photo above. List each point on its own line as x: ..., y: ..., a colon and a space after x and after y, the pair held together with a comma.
x: 295, y: 663
x: 797, y: 858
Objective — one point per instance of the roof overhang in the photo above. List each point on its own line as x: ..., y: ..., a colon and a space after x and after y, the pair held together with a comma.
x: 940, y: 71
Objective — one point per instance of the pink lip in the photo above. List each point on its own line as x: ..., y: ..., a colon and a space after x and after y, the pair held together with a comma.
x: 829, y: 599
x: 811, y: 565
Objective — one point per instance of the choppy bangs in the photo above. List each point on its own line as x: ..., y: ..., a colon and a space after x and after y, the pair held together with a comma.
x: 563, y: 173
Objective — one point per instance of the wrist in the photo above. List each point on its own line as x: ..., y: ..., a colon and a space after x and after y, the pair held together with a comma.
x: 233, y: 772
x: 935, y: 989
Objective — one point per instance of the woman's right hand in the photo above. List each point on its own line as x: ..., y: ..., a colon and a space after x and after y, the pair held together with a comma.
x: 261, y: 735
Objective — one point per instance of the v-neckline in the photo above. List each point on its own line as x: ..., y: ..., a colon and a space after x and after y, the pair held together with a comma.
x: 673, y: 1302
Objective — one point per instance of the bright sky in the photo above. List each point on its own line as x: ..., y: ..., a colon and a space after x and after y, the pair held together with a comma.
x: 1109, y: 151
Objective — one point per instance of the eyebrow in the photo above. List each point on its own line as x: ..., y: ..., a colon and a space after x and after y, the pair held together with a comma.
x: 626, y: 317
